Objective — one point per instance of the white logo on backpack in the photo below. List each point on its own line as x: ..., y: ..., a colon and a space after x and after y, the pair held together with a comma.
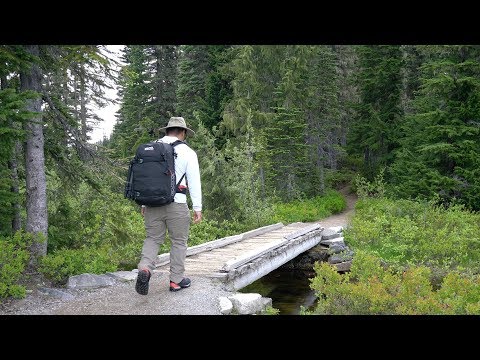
x: 149, y: 148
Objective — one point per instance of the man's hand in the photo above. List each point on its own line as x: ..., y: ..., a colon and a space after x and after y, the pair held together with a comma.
x: 197, y: 216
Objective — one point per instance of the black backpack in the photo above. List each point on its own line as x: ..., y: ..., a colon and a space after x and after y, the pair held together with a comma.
x: 151, y: 176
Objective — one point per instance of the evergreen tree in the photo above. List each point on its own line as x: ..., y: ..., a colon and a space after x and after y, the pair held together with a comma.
x: 12, y: 116
x: 217, y: 86
x: 287, y: 130
x: 413, y: 58
x: 204, y: 85
x: 440, y: 153
x: 346, y: 67
x: 244, y: 148
x: 193, y: 68
x: 147, y: 92
x: 324, y: 127
x: 288, y: 96
x: 133, y: 126
x: 163, y: 61
x: 374, y: 133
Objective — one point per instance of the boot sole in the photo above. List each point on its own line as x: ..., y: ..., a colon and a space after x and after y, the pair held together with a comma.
x: 141, y: 286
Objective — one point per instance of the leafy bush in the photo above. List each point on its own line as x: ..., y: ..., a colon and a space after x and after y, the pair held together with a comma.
x: 422, y: 259
x: 365, y: 188
x: 269, y: 310
x: 309, y: 210
x: 371, y: 288
x: 91, y: 219
x: 14, y: 257
x: 406, y: 232
x: 64, y: 263
x: 208, y: 230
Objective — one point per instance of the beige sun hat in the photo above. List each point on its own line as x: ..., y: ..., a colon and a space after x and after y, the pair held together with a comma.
x: 177, y: 121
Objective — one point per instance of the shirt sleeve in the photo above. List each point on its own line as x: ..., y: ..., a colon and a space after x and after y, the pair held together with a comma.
x: 193, y: 178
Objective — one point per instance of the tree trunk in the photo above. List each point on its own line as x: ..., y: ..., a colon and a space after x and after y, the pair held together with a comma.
x: 37, y: 217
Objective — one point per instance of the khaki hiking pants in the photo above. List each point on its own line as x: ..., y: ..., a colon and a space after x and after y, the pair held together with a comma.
x: 174, y: 217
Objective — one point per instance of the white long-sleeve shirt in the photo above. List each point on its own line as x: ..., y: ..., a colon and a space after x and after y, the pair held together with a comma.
x: 186, y: 163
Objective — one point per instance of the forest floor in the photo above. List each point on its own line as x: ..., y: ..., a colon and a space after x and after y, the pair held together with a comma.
x: 122, y: 299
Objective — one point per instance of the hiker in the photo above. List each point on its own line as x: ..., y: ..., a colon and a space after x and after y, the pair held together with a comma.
x: 175, y: 216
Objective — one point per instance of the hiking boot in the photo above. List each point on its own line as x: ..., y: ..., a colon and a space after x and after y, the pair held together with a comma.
x: 143, y: 278
x: 182, y: 284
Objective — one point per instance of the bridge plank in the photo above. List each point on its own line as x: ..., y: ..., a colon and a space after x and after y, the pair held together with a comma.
x: 303, y: 231
x: 165, y: 258
x: 229, y: 259
x: 243, y: 259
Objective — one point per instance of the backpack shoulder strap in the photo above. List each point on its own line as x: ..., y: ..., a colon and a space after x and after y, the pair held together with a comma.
x: 177, y: 142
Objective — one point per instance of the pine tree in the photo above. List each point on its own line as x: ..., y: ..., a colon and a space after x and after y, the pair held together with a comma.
x: 440, y: 153
x: 163, y: 61
x: 204, y: 85
x: 12, y: 116
x: 244, y: 148
x: 133, y: 126
x: 374, y: 134
x: 147, y: 92
x: 346, y: 67
x: 324, y: 129
x: 217, y: 86
x: 287, y: 131
x: 193, y: 67
x: 413, y: 58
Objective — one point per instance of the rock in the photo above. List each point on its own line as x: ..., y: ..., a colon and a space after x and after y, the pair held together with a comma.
x: 56, y: 293
x: 266, y: 301
x: 341, y: 257
x: 336, y: 248
x: 337, y: 229
x: 124, y: 275
x: 306, y: 260
x: 329, y: 234
x: 338, y: 240
x: 344, y: 266
x: 89, y: 281
x: 244, y: 304
x: 226, y: 305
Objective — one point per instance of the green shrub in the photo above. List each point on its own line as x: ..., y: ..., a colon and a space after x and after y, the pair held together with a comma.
x: 92, y: 219
x: 269, y: 310
x: 208, y: 230
x: 14, y: 257
x: 309, y: 210
x: 365, y: 188
x: 403, y: 232
x: 371, y: 288
x: 64, y: 263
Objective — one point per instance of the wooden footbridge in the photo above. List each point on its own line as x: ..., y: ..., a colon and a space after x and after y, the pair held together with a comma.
x: 239, y: 260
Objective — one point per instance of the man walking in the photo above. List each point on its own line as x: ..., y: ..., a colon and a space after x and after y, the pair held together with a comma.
x: 173, y: 217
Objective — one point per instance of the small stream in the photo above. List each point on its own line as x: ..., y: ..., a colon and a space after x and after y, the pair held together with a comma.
x: 288, y: 289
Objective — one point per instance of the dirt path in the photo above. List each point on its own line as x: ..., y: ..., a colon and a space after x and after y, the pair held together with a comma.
x: 201, y: 298
x: 344, y: 217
